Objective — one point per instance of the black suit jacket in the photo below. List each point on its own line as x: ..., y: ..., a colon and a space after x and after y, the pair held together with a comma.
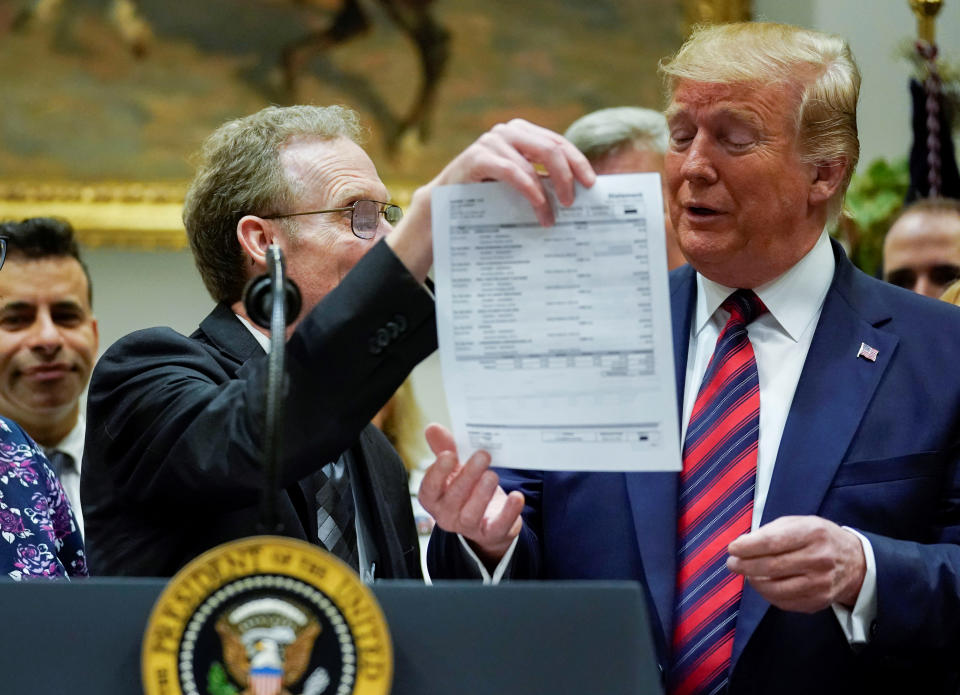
x: 172, y: 462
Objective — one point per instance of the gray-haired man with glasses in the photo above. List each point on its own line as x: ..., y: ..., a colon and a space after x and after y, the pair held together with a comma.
x: 174, y: 436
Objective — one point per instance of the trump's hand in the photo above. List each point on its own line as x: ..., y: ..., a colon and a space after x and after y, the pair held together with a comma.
x: 507, y: 153
x: 467, y: 499
x: 801, y: 563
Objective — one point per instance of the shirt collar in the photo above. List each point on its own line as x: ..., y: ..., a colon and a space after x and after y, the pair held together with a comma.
x: 793, y: 299
x: 263, y: 340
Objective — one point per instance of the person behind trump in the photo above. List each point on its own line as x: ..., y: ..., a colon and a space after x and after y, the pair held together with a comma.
x: 921, y: 250
x: 810, y: 543
x: 625, y: 140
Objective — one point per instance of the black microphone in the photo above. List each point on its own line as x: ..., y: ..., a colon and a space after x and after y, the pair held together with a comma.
x: 258, y: 300
x: 272, y: 301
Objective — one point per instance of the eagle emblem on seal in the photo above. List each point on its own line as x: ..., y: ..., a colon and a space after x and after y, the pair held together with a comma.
x: 267, y: 644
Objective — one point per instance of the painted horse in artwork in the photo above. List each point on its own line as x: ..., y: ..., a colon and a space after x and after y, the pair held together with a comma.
x: 414, y: 18
x: 348, y: 20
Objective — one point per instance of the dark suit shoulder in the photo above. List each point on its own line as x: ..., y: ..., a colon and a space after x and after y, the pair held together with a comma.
x: 881, y: 303
x: 881, y: 298
x: 153, y: 374
x: 920, y: 324
x: 165, y: 347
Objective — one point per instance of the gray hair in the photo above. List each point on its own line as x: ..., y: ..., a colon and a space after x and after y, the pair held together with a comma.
x: 603, y: 131
x: 239, y: 173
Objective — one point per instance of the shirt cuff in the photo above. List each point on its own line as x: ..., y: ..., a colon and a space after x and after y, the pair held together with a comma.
x: 856, y: 623
x: 501, y: 567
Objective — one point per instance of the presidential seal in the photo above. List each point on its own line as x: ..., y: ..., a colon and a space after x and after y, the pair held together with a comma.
x: 266, y: 616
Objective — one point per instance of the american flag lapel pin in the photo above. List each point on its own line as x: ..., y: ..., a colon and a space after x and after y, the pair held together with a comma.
x: 867, y: 352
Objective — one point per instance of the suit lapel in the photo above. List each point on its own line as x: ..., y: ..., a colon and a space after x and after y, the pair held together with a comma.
x: 834, y: 391
x: 653, y: 496
x: 223, y: 330
x: 384, y: 492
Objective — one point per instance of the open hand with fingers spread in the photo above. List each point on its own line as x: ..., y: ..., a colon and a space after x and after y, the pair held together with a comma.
x: 467, y: 498
x: 801, y: 563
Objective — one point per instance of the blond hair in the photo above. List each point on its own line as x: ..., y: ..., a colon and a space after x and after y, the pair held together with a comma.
x: 819, y: 67
x: 240, y: 174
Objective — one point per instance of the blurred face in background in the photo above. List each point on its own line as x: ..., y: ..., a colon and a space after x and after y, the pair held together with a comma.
x: 922, y: 252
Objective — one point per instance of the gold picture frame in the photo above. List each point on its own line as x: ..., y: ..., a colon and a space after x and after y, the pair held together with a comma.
x: 716, y: 11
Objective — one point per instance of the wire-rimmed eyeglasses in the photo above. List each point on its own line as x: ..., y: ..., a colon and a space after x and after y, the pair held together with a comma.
x: 364, y: 217
x: 3, y: 249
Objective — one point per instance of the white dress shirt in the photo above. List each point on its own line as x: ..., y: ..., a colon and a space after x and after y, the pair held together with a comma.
x: 781, y: 339
x: 69, y: 476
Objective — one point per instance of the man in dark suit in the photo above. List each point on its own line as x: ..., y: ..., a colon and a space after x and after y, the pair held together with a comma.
x: 175, y: 423
x: 812, y: 542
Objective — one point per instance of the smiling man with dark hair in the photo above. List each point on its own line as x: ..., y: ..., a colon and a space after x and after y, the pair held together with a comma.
x: 48, y: 341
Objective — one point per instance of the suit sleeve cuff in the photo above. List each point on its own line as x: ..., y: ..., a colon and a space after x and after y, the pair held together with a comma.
x: 427, y: 283
x: 498, y: 571
x: 856, y: 623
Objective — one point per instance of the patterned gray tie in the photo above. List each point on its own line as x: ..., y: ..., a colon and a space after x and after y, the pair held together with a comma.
x: 59, y: 461
x: 336, y: 514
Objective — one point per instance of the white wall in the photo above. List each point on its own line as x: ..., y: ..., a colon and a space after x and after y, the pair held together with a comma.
x: 875, y: 29
x: 137, y: 289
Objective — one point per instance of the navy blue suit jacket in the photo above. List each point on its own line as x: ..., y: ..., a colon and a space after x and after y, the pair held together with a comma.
x: 870, y: 445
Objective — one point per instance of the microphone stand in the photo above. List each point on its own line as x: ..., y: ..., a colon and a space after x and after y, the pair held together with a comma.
x: 276, y: 381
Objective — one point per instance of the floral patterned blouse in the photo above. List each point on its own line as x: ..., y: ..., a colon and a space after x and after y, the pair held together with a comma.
x: 38, y: 532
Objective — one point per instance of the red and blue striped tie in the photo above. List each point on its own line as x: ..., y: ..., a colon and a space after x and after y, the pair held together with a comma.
x: 716, y: 504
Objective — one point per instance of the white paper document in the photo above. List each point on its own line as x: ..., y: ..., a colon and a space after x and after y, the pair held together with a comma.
x: 555, y: 343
